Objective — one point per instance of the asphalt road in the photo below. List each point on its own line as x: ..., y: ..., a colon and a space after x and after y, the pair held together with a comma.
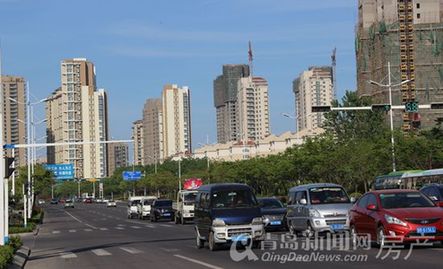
x: 93, y: 236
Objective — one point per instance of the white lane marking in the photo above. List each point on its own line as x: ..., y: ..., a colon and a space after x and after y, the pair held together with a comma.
x: 170, y: 249
x: 68, y: 255
x: 72, y: 231
x: 119, y: 228
x: 135, y: 227
x: 131, y: 250
x: 198, y: 262
x: 55, y: 232
x: 165, y: 225
x: 103, y: 229
x: 90, y: 226
x: 100, y: 252
x: 149, y: 226
x: 87, y: 230
x: 121, y: 225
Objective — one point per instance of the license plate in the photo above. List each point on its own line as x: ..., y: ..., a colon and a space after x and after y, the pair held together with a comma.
x: 426, y: 230
x: 276, y: 222
x: 240, y: 237
x: 337, y: 226
x: 167, y: 214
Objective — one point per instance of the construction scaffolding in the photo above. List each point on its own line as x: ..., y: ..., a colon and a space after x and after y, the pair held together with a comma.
x: 415, y: 51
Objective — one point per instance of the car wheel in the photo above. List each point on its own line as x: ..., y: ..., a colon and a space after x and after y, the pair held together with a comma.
x: 380, y: 237
x: 309, y: 232
x: 200, y: 243
x: 211, y: 242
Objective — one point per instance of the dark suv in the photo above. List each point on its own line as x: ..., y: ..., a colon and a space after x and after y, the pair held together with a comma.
x: 434, y: 192
x: 227, y: 213
x: 161, y: 209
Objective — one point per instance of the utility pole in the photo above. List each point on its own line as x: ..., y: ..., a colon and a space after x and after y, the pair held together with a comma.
x: 3, y: 214
x: 391, y: 116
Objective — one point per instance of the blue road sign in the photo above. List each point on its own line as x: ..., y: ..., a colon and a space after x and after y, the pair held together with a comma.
x: 132, y: 175
x: 61, y: 171
x: 9, y: 146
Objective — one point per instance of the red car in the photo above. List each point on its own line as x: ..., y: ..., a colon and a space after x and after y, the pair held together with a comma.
x: 397, y: 215
x: 88, y: 200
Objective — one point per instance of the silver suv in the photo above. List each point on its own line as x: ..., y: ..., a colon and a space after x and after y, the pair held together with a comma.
x: 319, y: 207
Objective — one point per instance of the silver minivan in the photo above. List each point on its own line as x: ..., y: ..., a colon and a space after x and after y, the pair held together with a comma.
x: 321, y: 207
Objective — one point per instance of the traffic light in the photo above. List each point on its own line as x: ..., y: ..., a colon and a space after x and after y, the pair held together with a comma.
x: 8, y: 169
x: 411, y: 107
x: 321, y: 108
x: 381, y: 107
x: 436, y: 105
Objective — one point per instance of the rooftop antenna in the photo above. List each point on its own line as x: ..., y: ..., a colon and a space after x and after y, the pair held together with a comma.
x: 334, y: 67
x: 250, y: 58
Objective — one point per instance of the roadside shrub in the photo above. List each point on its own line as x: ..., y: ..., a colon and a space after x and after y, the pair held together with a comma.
x: 15, y: 242
x: 20, y: 229
x: 6, y: 256
x: 356, y: 195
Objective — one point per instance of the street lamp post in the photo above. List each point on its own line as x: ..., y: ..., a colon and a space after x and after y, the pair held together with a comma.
x: 29, y: 151
x: 389, y: 86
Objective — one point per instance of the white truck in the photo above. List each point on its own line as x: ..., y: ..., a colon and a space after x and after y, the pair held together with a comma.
x: 144, y: 207
x: 184, y: 206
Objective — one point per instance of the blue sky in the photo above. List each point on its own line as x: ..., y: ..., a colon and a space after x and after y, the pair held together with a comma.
x: 138, y: 46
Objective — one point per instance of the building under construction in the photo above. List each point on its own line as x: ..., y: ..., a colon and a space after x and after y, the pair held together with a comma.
x: 409, y: 35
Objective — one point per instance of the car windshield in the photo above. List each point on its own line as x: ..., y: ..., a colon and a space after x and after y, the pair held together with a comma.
x: 148, y: 202
x: 68, y: 201
x: 270, y: 203
x: 233, y: 199
x: 163, y: 203
x: 328, y: 195
x: 135, y: 202
x: 189, y: 197
x: 404, y: 200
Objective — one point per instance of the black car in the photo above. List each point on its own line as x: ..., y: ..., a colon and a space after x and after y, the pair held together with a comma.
x: 273, y: 212
x: 227, y: 213
x: 161, y: 209
x: 434, y: 192
x: 54, y: 201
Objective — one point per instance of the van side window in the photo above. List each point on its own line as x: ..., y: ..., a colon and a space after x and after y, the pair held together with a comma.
x: 300, y: 195
x: 204, y: 200
x: 291, y: 198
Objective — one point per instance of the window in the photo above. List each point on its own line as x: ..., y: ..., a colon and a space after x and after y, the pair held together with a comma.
x: 363, y: 201
x: 418, y: 15
x: 418, y: 5
x: 372, y: 200
x: 300, y: 195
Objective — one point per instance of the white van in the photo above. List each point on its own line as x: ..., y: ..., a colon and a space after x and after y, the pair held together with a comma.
x: 144, y: 207
x: 133, y: 202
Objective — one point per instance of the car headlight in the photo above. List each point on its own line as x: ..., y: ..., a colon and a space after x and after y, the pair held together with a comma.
x: 266, y: 218
x: 257, y: 221
x: 394, y: 220
x: 314, y: 213
x: 218, y: 222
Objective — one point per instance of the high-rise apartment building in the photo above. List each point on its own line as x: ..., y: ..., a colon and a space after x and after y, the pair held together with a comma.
x: 152, y: 131
x: 14, y: 117
x: 176, y: 112
x: 226, y: 88
x: 118, y: 156
x: 253, y: 108
x: 77, y: 112
x: 312, y: 88
x: 138, y: 137
x: 408, y: 34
